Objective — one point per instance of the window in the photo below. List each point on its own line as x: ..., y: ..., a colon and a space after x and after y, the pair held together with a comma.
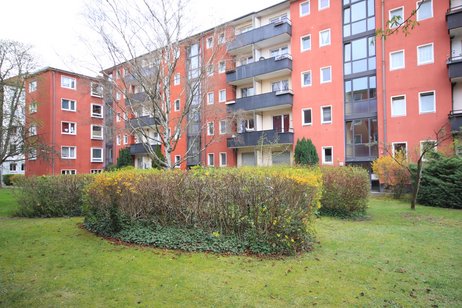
x: 210, y: 159
x: 68, y: 171
x: 176, y: 79
x: 398, y: 106
x: 33, y: 107
x: 221, y: 38
x: 397, y: 60
x: 305, y: 42
x: 425, y: 11
x: 306, y: 116
x: 280, y: 52
x: 223, y: 127
x: 96, y: 89
x: 13, y: 166
x: 118, y: 117
x: 304, y: 8
x: 68, y: 82
x: 210, y: 129
x: 425, y: 54
x: 281, y: 85
x: 326, y: 114
x: 399, y: 147
x: 323, y: 4
x: 33, y: 130
x: 118, y: 95
x: 358, y: 92
x: 427, y: 102
x: 326, y: 74
x: 193, y: 62
x: 327, y: 155
x: 223, y: 159
x: 359, y: 55
x: 177, y: 161
x: 96, y: 155
x: 210, y: 70
x: 246, y: 92
x: 210, y: 98
x: 221, y: 67
x: 96, y: 111
x: 68, y: 152
x: 117, y: 74
x: 358, y: 17
x: 96, y: 171
x: 68, y: 105
x: 306, y: 79
x: 68, y: 128
x: 247, y: 125
x: 396, y: 17
x: 278, y: 19
x: 428, y: 146
x: 118, y: 139
x: 33, y: 86
x: 222, y: 96
x: 324, y: 38
x: 23, y: 166
x: 125, y: 139
x: 97, y: 132
x: 32, y: 154
x: 209, y: 42
x: 177, y: 105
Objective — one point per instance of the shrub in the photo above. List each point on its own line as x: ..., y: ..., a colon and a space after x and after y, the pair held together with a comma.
x: 51, y: 196
x: 7, y: 179
x: 441, y: 183
x: 156, y: 163
x: 345, y: 191
x: 305, y: 153
x: 125, y: 158
x: 16, y: 178
x: 393, y: 173
x: 259, y: 210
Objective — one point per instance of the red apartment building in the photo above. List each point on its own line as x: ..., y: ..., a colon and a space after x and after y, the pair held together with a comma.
x: 306, y: 68
x: 66, y: 112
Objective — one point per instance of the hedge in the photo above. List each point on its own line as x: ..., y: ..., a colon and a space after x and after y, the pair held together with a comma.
x: 256, y: 210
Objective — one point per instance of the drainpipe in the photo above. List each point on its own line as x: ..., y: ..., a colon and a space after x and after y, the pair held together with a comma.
x: 53, y: 116
x: 384, y: 83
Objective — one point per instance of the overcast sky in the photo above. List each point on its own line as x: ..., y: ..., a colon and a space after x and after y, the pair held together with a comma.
x: 56, y: 27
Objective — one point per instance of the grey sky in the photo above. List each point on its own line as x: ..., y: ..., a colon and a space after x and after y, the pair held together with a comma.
x: 55, y: 27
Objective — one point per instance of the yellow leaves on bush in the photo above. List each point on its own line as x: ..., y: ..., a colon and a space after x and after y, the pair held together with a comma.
x: 392, y: 171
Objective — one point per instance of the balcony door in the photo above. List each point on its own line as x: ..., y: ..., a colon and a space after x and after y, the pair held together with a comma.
x: 281, y: 123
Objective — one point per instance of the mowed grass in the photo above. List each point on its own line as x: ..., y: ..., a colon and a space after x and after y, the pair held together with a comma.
x: 395, y: 258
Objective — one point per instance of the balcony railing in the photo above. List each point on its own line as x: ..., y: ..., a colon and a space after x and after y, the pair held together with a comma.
x: 134, y: 98
x: 455, y: 118
x: 265, y: 137
x: 142, y: 121
x: 262, y: 101
x: 141, y: 148
x: 271, y: 34
x: 367, y: 108
x: 455, y: 66
x: 454, y: 17
x: 265, y: 68
x: 361, y: 152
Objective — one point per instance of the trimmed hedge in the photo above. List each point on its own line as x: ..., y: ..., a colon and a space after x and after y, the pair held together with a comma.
x: 256, y: 210
x: 345, y: 191
x: 51, y: 196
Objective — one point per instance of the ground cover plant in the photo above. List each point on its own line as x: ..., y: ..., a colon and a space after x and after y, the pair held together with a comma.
x: 396, y: 258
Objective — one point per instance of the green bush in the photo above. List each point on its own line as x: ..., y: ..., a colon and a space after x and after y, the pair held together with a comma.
x: 51, y: 196
x: 441, y: 183
x: 257, y: 210
x: 125, y: 158
x: 305, y: 153
x: 345, y: 191
x: 7, y: 179
x: 16, y: 178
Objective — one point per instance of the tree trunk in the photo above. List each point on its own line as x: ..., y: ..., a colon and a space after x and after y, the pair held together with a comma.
x: 416, y: 184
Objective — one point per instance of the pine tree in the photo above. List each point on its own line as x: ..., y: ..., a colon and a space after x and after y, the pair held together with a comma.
x: 125, y: 158
x: 305, y: 153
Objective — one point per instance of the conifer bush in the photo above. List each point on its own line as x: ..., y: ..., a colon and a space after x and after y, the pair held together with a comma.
x: 305, y: 153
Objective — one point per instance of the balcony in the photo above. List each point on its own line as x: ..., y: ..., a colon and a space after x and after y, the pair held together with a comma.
x: 265, y: 137
x: 361, y: 152
x: 265, y: 36
x: 361, y: 109
x: 141, y: 148
x: 263, y: 69
x: 136, y: 98
x: 455, y: 67
x: 455, y: 118
x: 454, y: 17
x: 141, y: 74
x: 142, y: 121
x: 263, y: 101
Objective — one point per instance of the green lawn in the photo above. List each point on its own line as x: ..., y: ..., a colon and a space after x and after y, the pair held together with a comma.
x: 396, y: 258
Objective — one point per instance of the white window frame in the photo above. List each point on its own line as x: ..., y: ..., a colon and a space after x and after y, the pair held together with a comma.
x: 33, y: 130
x: 324, y: 155
x: 177, y: 159
x: 322, y: 114
x: 222, y: 131
x: 434, y: 102
x: 433, y: 54
x: 96, y: 160
x: 210, y: 95
x: 323, y: 8
x: 301, y: 43
x: 33, y: 107
x: 320, y: 71
x: 220, y: 99
x: 118, y: 95
x: 320, y: 38
x: 221, y: 38
x: 96, y: 137
x: 175, y: 105
x: 391, y: 106
x: 118, y: 117
x: 211, y: 155
x: 95, y: 115
x: 221, y: 67
x: 393, y: 150
x: 68, y: 171
x: 69, y: 146
x: 177, y: 79
x: 71, y: 78
x: 303, y: 79
x: 95, y: 171
x: 118, y: 139
x: 303, y: 117
x: 301, y: 11
x: 435, y: 149
x: 418, y: 15
x: 125, y: 141
x: 33, y: 86
x: 391, y: 61
x: 70, y: 123
x: 390, y: 16
x: 32, y: 155
x: 210, y: 128
x: 209, y: 42
x: 210, y: 70
x: 70, y: 100
x: 221, y: 159
x: 98, y: 85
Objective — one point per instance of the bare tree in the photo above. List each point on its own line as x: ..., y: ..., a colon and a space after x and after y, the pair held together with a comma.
x: 144, y: 41
x: 16, y: 63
